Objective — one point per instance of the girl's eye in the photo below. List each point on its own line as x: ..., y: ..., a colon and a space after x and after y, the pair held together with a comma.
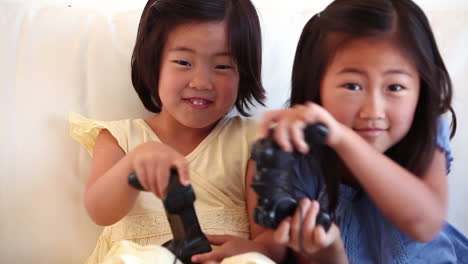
x: 223, y: 67
x: 395, y: 88
x: 352, y: 86
x: 183, y: 63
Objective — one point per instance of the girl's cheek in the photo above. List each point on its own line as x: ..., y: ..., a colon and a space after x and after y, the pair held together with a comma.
x: 343, y: 111
x: 231, y: 85
x: 401, y: 117
x: 345, y: 117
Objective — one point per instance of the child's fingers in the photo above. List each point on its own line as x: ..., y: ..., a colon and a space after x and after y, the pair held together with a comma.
x: 298, y: 219
x: 322, y: 239
x: 315, y: 240
x: 182, y: 166
x: 296, y: 131
x: 150, y: 172
x: 310, y: 112
x: 282, y: 136
x: 218, y: 240
x: 281, y: 234
x: 269, y: 117
x: 162, y: 179
x: 317, y: 237
x: 332, y: 234
x: 141, y: 175
x: 200, y: 258
x: 153, y: 182
x: 309, y: 219
x: 214, y: 255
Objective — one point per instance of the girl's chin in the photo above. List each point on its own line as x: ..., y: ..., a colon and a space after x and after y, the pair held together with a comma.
x: 200, y: 124
x: 379, y: 146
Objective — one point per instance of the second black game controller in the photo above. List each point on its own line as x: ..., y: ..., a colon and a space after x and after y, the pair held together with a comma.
x: 276, y: 199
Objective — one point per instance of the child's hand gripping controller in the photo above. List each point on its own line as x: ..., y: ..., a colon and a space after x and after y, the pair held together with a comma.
x: 276, y: 200
x: 188, y: 239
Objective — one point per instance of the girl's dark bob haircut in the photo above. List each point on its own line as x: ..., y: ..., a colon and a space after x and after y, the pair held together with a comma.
x: 159, y: 17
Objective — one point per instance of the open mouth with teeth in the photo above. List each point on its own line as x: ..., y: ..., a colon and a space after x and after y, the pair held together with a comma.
x: 199, y: 103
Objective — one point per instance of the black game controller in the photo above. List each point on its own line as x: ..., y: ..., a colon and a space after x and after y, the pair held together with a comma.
x: 276, y: 199
x: 188, y: 239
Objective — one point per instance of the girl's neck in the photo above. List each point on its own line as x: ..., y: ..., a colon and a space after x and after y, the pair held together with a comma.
x: 181, y: 138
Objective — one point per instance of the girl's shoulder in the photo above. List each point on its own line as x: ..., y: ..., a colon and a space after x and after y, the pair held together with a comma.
x: 238, y: 127
x: 239, y: 122
x: 128, y: 132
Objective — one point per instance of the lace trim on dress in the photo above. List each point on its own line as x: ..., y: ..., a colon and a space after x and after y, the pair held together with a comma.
x: 156, y: 224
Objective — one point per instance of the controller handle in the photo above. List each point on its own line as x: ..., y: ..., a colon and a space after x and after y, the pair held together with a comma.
x: 188, y: 238
x: 134, y: 182
x: 316, y: 134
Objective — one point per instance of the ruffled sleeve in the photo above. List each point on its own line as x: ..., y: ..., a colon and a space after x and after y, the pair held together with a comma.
x: 86, y: 130
x: 443, y: 140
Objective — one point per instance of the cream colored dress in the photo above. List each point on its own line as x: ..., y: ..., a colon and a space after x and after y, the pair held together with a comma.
x: 217, y: 174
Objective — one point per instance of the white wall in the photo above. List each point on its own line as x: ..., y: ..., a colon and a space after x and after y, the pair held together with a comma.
x: 121, y: 5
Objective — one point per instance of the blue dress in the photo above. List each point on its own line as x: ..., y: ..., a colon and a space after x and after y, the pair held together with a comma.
x: 371, y: 238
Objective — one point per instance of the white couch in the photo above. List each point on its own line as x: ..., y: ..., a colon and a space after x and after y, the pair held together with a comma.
x: 59, y: 56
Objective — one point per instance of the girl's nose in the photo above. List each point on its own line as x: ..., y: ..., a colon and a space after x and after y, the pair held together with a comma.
x: 201, y: 80
x: 373, y: 107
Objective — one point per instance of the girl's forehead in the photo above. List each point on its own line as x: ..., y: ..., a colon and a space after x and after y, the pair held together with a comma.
x: 197, y: 35
x: 372, y: 50
x: 192, y: 28
x: 355, y: 48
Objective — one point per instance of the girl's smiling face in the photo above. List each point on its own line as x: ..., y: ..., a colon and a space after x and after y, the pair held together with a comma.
x: 199, y: 79
x: 373, y: 88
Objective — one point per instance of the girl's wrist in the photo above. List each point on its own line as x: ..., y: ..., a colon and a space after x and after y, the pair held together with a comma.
x: 339, y: 134
x: 346, y: 138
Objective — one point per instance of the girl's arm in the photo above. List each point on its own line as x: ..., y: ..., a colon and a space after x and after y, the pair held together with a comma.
x: 108, y: 196
x: 416, y: 205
